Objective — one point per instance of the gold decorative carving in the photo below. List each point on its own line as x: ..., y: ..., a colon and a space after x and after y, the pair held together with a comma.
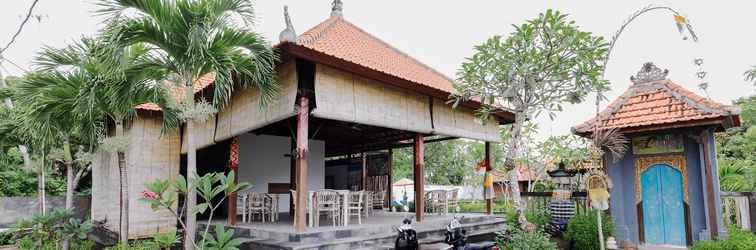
x: 675, y: 161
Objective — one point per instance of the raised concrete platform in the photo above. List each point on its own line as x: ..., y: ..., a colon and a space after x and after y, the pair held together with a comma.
x: 375, y: 232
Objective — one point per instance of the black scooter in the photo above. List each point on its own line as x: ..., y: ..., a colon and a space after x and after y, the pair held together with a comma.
x: 456, y: 236
x: 407, y: 237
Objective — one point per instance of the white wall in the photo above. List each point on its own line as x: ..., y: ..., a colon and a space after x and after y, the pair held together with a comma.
x: 262, y: 160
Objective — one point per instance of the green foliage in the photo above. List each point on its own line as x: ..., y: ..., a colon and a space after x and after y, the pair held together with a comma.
x: 450, y: 162
x: 569, y: 149
x: 735, y: 147
x: 162, y: 194
x: 545, y: 62
x: 6, y: 238
x: 736, y: 240
x: 478, y: 206
x: 222, y: 240
x: 582, y: 230
x: 189, y: 39
x: 48, y: 230
x: 521, y: 240
x: 540, y: 217
x: 135, y: 245
x: 166, y: 240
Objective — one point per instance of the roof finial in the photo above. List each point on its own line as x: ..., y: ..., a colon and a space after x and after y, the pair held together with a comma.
x: 288, y: 34
x: 649, y: 73
x: 337, y: 7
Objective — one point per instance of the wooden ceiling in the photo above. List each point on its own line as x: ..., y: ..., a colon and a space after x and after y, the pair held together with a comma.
x: 342, y: 138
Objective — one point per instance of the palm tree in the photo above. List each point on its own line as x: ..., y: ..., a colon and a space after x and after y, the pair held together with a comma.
x: 189, y: 39
x: 80, y: 86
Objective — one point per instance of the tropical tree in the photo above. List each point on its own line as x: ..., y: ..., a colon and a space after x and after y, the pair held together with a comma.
x: 50, y: 99
x: 81, y: 86
x: 545, y: 63
x: 189, y: 39
x: 735, y: 147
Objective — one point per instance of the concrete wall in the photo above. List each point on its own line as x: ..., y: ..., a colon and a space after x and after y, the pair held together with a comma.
x: 262, y: 160
x: 151, y: 155
x: 14, y: 209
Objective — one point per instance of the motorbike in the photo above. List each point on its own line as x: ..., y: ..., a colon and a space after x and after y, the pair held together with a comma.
x: 456, y: 236
x: 406, y: 238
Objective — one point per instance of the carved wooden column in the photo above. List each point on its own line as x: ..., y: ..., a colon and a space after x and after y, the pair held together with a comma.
x: 233, y: 164
x: 419, y: 178
x: 487, y: 163
x: 301, y: 153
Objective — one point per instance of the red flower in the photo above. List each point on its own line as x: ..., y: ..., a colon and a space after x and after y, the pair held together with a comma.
x: 149, y: 195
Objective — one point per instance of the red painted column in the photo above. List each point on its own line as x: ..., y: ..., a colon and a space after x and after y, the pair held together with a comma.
x: 300, y: 215
x: 487, y: 162
x: 419, y: 178
x: 233, y: 163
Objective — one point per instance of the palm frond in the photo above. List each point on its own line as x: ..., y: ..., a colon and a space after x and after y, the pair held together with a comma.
x: 611, y: 140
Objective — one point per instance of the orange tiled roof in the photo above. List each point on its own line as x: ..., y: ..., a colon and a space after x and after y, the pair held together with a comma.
x: 339, y: 38
x: 200, y: 84
x: 659, y: 103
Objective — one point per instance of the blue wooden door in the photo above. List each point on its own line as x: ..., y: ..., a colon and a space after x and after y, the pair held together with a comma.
x: 663, y: 212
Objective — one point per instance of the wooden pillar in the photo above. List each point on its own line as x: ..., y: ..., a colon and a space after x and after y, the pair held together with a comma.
x: 390, y: 177
x: 710, y: 203
x: 300, y: 215
x: 292, y: 172
x: 419, y: 178
x: 233, y: 163
x: 487, y: 162
x: 364, y: 171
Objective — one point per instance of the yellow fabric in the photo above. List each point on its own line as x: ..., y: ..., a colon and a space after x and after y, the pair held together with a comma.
x: 489, y: 180
x: 680, y: 19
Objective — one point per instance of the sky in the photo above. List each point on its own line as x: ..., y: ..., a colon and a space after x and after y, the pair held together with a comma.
x: 442, y: 34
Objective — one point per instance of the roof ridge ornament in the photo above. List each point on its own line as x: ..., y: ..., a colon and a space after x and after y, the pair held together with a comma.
x: 337, y: 8
x: 288, y: 34
x: 649, y: 73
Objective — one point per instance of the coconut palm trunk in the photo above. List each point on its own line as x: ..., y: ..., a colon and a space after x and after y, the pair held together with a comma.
x: 191, y: 171
x: 41, y: 183
x: 124, y: 188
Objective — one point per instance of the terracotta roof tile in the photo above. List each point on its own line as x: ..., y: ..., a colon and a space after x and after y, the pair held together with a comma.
x: 657, y: 103
x: 339, y: 38
x: 201, y: 83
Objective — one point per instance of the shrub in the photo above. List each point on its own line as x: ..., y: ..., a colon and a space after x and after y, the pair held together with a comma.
x: 50, y: 230
x: 6, y: 238
x: 737, y: 240
x: 521, y: 240
x: 539, y: 217
x: 582, y: 230
x: 708, y: 245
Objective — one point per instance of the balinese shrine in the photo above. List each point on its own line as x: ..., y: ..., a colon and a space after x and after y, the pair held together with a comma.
x: 666, y: 187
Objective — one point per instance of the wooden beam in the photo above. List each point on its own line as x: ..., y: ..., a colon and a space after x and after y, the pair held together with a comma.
x: 419, y: 178
x: 390, y: 177
x: 233, y: 164
x: 711, y: 204
x: 487, y: 162
x: 301, y: 154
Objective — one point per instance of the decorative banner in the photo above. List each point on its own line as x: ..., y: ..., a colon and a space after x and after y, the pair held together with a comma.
x: 657, y: 144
